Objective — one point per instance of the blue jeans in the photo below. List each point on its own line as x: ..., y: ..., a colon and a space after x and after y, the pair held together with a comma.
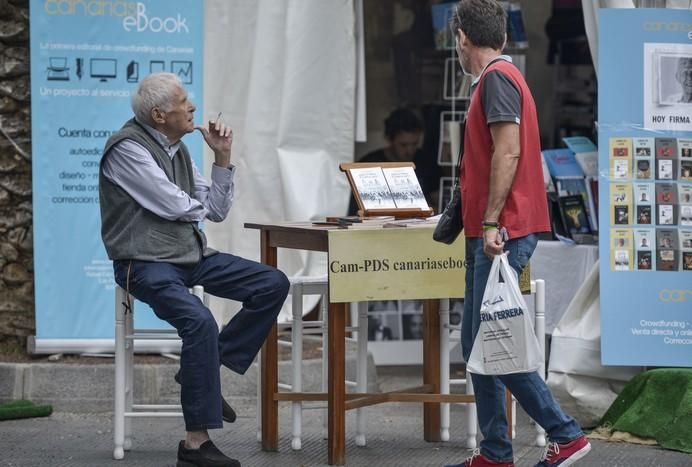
x: 164, y: 287
x: 530, y: 390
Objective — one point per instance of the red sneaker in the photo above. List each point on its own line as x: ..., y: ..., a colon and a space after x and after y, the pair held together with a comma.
x: 565, y: 454
x: 479, y: 460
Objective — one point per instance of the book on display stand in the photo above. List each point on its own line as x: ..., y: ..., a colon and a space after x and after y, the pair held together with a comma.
x: 386, y: 189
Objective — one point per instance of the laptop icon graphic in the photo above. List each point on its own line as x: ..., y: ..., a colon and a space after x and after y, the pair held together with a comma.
x: 57, y: 69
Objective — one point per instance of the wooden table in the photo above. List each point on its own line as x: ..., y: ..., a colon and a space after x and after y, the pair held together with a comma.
x: 305, y: 236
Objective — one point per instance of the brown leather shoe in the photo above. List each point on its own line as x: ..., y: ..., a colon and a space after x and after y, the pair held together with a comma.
x: 227, y: 412
x: 207, y: 455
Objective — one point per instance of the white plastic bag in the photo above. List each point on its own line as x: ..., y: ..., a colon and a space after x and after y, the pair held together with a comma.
x: 506, y: 342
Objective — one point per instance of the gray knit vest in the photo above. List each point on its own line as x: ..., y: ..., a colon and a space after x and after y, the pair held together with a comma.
x: 132, y: 232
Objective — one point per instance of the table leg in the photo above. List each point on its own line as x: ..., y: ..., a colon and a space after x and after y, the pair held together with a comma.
x: 431, y: 368
x: 336, y: 384
x: 270, y: 368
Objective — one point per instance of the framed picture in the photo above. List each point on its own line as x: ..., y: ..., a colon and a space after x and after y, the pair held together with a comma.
x: 457, y: 85
x: 450, y: 137
x: 441, y: 23
x: 395, y: 331
x: 446, y: 187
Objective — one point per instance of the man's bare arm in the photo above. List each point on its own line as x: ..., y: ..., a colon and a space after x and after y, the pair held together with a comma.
x: 503, y: 167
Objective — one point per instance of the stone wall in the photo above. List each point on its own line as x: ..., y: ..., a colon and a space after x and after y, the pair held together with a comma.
x: 16, y: 240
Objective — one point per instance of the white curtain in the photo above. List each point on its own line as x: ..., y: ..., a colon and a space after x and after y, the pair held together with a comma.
x: 283, y: 74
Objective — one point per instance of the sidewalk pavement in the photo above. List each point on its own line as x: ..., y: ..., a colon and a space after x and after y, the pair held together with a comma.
x: 394, y: 438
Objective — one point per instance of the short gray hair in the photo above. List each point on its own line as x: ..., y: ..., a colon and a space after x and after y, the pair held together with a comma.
x: 155, y: 90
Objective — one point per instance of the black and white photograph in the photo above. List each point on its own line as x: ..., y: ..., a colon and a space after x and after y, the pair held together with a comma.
x: 412, y: 326
x: 405, y: 187
x: 644, y: 239
x: 372, y: 188
x: 665, y: 169
x: 667, y: 85
x: 622, y: 260
x: 620, y: 169
x: 457, y: 85
x: 674, y: 76
x: 685, y: 215
x: 383, y: 326
x: 665, y: 214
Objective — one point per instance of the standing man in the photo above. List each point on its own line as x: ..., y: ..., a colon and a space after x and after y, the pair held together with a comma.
x: 152, y: 199
x: 502, y: 191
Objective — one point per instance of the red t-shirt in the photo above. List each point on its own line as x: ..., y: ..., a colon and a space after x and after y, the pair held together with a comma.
x: 526, y: 208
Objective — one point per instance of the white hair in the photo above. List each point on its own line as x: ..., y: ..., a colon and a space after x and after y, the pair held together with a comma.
x: 155, y: 90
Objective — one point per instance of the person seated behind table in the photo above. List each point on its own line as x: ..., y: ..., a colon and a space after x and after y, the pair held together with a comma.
x: 403, y: 131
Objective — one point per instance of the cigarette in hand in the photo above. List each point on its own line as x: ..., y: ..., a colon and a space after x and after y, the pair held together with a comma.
x: 218, y: 117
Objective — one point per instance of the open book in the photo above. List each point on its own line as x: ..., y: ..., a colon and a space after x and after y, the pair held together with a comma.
x: 388, y: 187
x: 383, y: 187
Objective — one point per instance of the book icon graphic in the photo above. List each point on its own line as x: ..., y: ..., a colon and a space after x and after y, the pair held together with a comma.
x: 132, y: 72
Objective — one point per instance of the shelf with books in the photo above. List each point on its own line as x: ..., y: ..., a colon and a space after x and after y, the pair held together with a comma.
x: 567, y: 169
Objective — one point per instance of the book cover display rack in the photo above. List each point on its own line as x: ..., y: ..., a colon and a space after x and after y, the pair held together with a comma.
x: 386, y: 189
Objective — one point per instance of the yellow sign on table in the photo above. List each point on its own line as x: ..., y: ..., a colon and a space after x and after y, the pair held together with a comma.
x: 393, y: 264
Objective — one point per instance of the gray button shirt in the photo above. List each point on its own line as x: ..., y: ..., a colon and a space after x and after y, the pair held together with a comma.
x: 131, y: 167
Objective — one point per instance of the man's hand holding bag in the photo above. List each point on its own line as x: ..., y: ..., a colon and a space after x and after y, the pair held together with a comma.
x: 506, y: 342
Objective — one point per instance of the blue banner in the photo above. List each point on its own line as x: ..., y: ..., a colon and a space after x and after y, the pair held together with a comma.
x: 645, y: 186
x: 87, y: 57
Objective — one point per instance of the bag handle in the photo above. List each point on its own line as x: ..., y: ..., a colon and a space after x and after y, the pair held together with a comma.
x: 455, y: 174
x: 508, y: 272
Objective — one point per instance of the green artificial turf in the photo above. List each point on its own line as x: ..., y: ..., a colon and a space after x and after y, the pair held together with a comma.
x: 23, y: 409
x: 656, y: 404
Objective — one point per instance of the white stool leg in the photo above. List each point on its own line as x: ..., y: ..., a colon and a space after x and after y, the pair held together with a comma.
x: 297, y: 363
x: 119, y: 409
x: 129, y: 373
x: 539, y: 305
x: 471, y: 422
x: 444, y: 368
x: 362, y: 368
x: 514, y: 417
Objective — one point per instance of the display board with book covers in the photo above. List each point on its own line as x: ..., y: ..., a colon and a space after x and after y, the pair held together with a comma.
x: 645, y: 173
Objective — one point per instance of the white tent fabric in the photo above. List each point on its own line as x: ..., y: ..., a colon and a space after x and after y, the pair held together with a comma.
x: 584, y: 387
x: 283, y: 74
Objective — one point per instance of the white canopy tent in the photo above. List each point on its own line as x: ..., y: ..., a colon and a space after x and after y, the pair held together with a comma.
x: 284, y: 76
